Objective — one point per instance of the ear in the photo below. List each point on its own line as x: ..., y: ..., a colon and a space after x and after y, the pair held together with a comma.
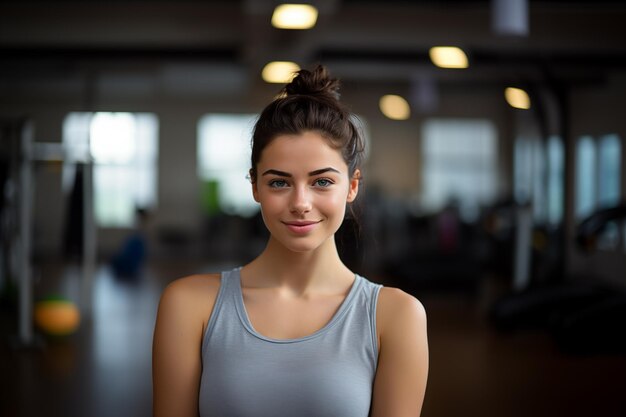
x: 255, y: 190
x: 354, y: 186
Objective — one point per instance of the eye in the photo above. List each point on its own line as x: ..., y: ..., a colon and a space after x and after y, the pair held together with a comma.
x: 323, y: 182
x: 278, y: 183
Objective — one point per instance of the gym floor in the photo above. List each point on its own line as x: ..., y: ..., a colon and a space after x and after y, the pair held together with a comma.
x: 104, y: 369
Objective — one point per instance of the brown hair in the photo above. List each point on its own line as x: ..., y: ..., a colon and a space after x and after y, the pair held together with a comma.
x: 310, y: 102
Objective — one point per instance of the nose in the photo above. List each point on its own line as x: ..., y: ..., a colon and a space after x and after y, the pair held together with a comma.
x: 300, y: 200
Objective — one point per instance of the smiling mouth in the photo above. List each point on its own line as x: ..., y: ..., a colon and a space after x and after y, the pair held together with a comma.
x: 301, y: 227
x: 305, y: 223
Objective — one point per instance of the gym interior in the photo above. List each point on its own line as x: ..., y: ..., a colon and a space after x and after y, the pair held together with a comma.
x: 494, y: 189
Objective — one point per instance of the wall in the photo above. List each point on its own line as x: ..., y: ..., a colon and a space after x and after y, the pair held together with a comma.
x: 393, y: 165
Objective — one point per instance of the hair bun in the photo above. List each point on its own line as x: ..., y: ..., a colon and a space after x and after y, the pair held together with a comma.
x: 316, y: 82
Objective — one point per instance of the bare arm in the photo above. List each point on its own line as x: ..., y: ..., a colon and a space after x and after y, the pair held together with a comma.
x: 176, y: 348
x: 402, y: 371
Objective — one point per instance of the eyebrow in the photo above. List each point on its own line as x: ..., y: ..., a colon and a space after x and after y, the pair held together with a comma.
x: 312, y: 173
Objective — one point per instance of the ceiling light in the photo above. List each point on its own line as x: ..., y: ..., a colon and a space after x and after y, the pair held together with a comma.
x: 394, y: 107
x: 294, y: 16
x: 448, y: 57
x: 516, y: 97
x: 279, y: 72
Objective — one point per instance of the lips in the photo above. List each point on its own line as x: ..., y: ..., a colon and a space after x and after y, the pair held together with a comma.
x: 301, y: 227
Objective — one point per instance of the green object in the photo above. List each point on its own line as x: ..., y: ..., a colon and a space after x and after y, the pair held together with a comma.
x: 210, y: 198
x: 54, y: 297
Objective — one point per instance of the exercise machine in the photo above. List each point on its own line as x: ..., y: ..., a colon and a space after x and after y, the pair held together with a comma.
x: 585, y: 316
x: 21, y: 153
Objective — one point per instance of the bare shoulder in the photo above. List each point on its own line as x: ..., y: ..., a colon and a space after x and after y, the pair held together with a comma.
x: 192, y: 287
x: 402, y: 370
x: 184, y: 310
x: 192, y: 284
x: 393, y: 301
x: 193, y: 295
x: 397, y: 309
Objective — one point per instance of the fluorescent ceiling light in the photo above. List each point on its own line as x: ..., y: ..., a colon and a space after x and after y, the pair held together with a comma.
x: 294, y: 16
x: 516, y: 97
x: 448, y: 57
x: 394, y: 107
x: 279, y: 72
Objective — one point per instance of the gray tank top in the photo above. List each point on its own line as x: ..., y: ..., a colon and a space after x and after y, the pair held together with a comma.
x: 325, y: 374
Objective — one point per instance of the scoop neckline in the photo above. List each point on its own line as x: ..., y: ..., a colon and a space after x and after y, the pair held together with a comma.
x: 245, y: 319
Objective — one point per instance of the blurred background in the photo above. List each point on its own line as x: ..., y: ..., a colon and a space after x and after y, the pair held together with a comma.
x: 494, y: 189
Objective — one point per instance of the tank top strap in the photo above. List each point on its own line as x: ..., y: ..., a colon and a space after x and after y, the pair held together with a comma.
x: 229, y: 286
x: 370, y: 291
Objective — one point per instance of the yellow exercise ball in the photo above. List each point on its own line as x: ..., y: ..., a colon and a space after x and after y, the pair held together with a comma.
x: 57, y: 316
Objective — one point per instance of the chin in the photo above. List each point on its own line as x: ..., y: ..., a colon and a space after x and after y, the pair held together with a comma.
x: 302, y: 244
x: 302, y: 247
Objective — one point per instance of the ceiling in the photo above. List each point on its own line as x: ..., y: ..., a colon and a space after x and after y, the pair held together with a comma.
x: 224, y: 44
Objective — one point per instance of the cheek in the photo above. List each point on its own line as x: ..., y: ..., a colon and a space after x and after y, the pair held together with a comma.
x: 270, y: 204
x: 268, y: 212
x: 336, y: 203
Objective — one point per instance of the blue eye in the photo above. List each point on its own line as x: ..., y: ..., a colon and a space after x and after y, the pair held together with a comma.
x: 278, y: 183
x: 323, y: 182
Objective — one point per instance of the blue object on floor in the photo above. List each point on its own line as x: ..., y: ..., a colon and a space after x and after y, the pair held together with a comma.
x: 129, y: 260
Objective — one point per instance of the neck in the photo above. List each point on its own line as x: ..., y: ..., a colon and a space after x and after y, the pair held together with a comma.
x: 300, y: 271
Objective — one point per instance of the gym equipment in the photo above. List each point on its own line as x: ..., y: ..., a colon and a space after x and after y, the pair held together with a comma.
x: 23, y: 153
x: 584, y: 317
x: 592, y: 227
x: 57, y: 316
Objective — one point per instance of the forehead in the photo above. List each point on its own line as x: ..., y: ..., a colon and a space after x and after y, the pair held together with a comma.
x: 306, y: 151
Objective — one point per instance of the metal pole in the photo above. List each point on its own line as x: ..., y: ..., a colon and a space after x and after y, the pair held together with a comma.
x: 25, y: 285
x: 521, y: 271
x: 89, y: 239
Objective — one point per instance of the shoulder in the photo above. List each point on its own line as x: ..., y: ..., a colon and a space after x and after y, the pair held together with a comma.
x: 402, y: 368
x: 192, y: 296
x: 192, y: 287
x: 193, y: 283
x: 398, y: 311
x: 184, y: 309
x: 394, y: 300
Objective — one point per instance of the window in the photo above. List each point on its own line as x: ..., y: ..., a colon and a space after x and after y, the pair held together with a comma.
x: 609, y: 155
x: 556, y: 174
x: 598, y: 181
x: 585, y: 176
x: 459, y: 164
x: 224, y: 162
x: 124, y: 151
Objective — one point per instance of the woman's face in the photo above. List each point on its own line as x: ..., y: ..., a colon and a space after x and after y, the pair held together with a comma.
x: 303, y: 186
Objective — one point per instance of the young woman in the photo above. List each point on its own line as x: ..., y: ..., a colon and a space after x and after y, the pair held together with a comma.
x: 294, y: 332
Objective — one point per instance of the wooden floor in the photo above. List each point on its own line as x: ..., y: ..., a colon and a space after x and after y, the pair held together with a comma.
x: 104, y: 369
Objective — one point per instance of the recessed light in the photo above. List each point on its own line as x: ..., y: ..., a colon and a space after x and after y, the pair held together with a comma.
x: 294, y: 16
x: 394, y: 107
x: 518, y: 98
x: 280, y: 71
x: 448, y: 57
